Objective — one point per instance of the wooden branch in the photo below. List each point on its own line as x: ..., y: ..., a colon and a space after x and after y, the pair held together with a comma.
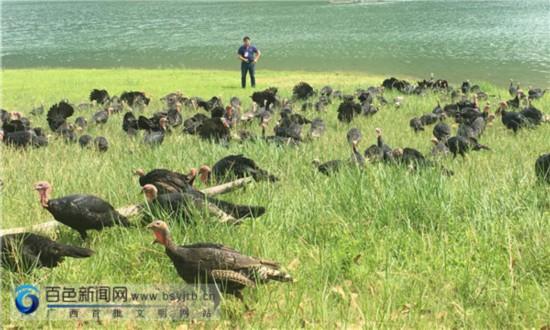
x: 226, y: 187
x: 130, y: 210
x: 217, y: 212
x: 44, y: 227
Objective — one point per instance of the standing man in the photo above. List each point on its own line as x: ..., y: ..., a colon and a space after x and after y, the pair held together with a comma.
x: 249, y: 56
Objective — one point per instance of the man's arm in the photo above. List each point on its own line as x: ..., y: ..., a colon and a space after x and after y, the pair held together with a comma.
x: 241, y: 56
x: 258, y: 54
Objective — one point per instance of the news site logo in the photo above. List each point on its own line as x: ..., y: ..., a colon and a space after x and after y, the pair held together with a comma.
x: 175, y: 302
x: 26, y: 298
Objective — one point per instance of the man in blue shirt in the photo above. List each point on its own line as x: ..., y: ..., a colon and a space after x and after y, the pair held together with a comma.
x: 249, y: 56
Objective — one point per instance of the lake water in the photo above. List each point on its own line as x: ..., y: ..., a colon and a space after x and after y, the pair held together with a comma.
x: 480, y: 40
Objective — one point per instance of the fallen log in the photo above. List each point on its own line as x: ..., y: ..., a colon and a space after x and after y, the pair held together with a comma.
x: 221, y: 215
x: 131, y: 210
x: 44, y: 227
x: 226, y: 187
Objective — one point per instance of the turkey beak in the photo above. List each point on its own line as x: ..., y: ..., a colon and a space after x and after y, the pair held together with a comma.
x: 150, y: 226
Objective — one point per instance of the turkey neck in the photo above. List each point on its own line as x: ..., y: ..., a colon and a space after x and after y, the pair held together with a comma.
x: 168, y: 243
x: 205, y: 176
x: 151, y: 195
x: 44, y: 198
x: 380, y: 142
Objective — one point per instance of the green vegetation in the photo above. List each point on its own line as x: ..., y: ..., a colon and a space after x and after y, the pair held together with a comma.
x: 378, y: 247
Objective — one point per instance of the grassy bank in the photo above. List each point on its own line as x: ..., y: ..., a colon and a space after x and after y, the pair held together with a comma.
x: 379, y: 247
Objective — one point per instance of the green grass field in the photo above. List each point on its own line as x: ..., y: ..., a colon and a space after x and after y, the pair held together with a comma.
x: 379, y: 247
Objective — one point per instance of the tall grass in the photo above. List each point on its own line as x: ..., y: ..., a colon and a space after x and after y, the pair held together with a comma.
x: 379, y: 247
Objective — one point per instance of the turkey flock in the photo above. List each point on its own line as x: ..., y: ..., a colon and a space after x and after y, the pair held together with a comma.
x: 172, y: 195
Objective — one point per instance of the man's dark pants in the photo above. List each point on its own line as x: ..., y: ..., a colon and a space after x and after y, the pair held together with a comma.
x: 248, y: 67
